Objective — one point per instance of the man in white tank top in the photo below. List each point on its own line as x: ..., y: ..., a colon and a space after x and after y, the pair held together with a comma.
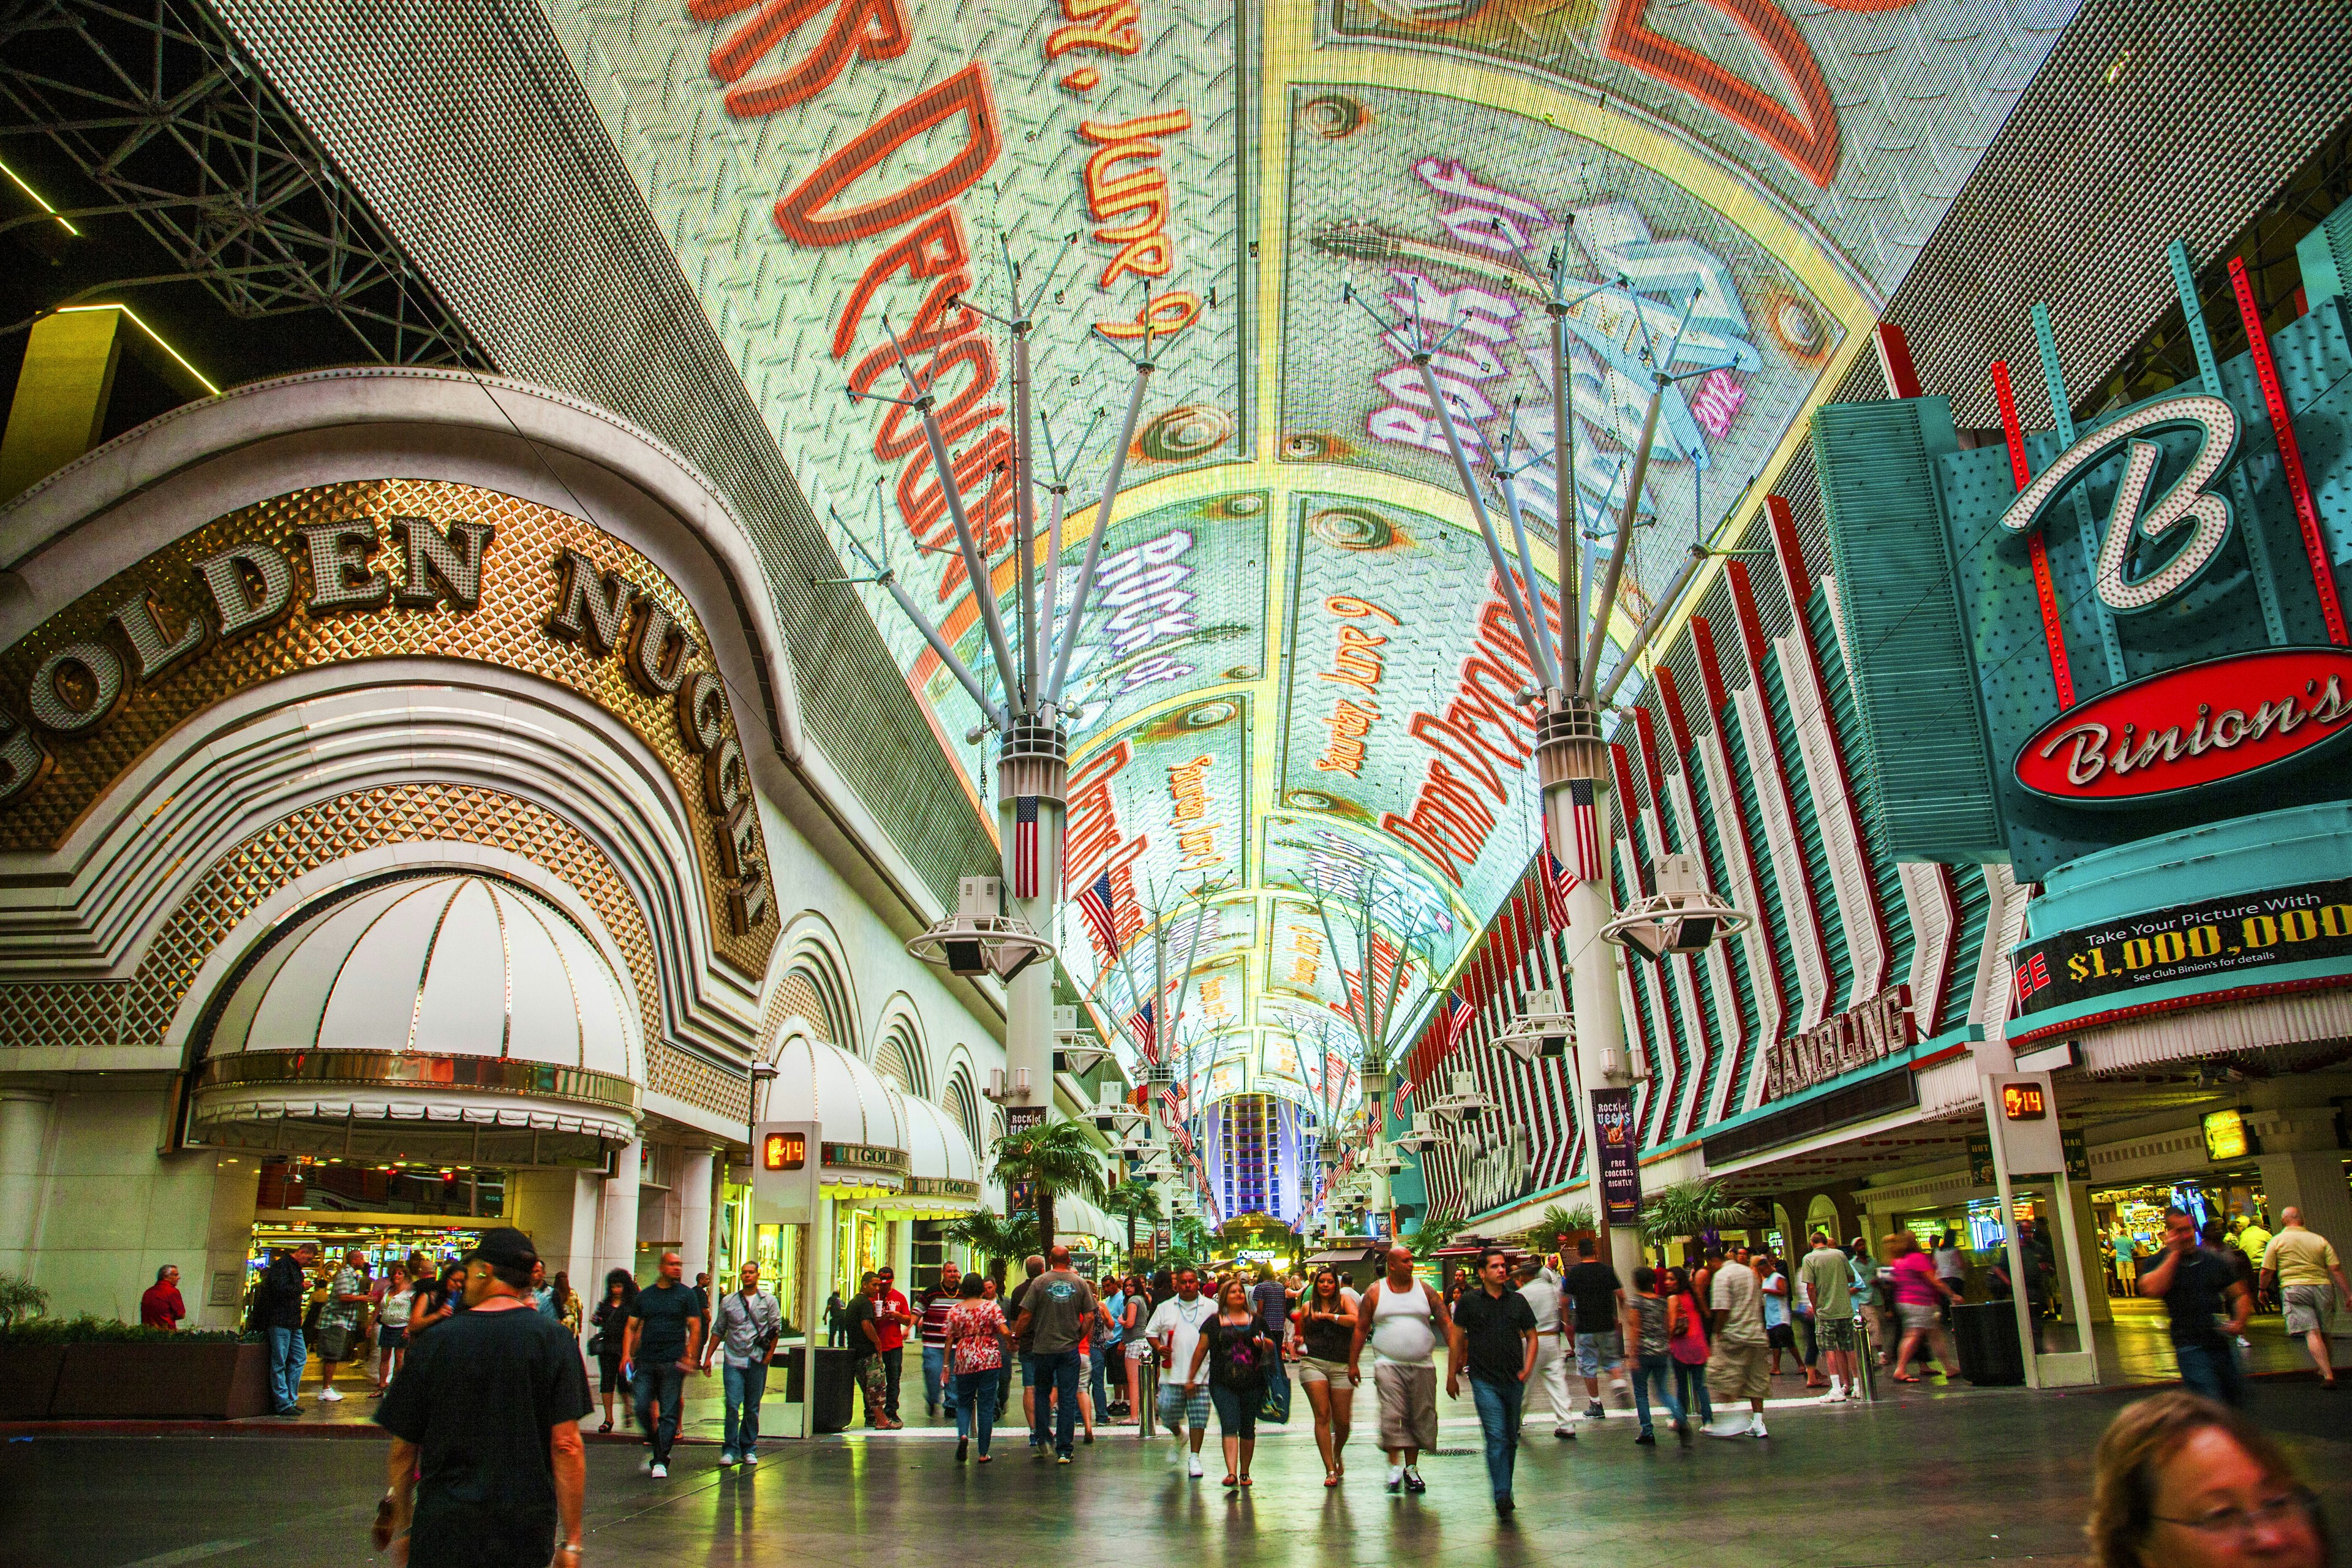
x: 1403, y: 1320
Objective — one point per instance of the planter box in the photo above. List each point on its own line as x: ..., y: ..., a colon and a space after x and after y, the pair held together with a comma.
x: 28, y: 1377
x: 162, y: 1382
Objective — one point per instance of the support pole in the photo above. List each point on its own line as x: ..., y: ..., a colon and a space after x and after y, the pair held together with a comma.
x: 1053, y: 693
x: 1536, y: 644
x: 1024, y: 516
x: 1605, y: 602
x: 1565, y: 510
x: 1568, y: 750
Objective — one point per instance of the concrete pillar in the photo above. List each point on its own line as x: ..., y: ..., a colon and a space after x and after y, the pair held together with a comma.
x: 617, y: 1245
x: 2312, y: 1181
x: 24, y: 1175
x: 558, y: 1210
x: 2097, y: 1307
x: 691, y: 1190
x: 217, y: 1298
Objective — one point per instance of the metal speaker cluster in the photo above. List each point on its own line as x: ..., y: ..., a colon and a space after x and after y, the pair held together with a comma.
x: 1462, y: 1102
x: 1681, y: 918
x: 1112, y: 1114
x: 1075, y: 1049
x: 1423, y: 1137
x: 1544, y: 1029
x: 977, y: 940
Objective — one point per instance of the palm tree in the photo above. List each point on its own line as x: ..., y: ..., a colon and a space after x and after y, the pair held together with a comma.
x: 999, y: 1238
x: 1053, y: 1157
x: 1193, y: 1241
x: 1557, y: 1224
x: 1134, y: 1201
x: 1691, y: 1208
x: 1433, y: 1234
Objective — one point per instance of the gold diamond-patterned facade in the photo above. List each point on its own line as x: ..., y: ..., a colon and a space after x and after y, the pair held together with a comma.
x: 138, y: 1011
x: 519, y: 588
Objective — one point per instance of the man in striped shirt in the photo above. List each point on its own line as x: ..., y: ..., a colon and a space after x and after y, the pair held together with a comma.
x: 938, y: 1383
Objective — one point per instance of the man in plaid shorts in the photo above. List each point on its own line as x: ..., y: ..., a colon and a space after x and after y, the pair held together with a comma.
x: 1829, y: 1283
x: 1175, y: 1331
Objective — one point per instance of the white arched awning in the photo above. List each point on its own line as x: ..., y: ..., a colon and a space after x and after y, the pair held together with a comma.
x: 943, y: 1177
x: 862, y: 1122
x: 450, y: 1017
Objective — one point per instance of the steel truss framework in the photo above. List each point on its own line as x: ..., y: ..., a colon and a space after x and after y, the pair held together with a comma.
x: 161, y: 112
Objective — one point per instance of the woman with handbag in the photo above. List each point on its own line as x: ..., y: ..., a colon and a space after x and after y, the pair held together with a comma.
x: 611, y: 1323
x: 1687, y: 1346
x: 1238, y: 1353
x: 976, y: 1340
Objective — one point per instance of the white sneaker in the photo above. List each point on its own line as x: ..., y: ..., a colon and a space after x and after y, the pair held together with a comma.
x: 329, y: 1396
x: 1729, y: 1425
x: 750, y: 1461
x: 1757, y: 1430
x: 1193, y: 1467
x: 1836, y: 1395
x: 660, y: 1472
x: 726, y: 1459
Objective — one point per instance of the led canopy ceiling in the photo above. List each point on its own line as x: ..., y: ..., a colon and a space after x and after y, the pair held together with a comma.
x: 1298, y: 671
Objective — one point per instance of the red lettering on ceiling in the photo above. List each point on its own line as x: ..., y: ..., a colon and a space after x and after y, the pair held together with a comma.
x: 1809, y: 142
x: 806, y: 214
x: 875, y: 30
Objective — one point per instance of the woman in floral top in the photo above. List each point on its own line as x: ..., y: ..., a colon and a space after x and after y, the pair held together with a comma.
x: 976, y: 1336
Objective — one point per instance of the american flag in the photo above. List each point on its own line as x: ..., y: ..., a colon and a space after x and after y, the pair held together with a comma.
x: 1025, y: 846
x: 1094, y: 902
x: 1584, y: 833
x: 1555, y: 883
x: 1139, y: 1024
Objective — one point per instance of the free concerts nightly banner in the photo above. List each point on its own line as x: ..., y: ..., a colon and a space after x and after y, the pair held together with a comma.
x: 1617, y: 1141
x: 2218, y: 937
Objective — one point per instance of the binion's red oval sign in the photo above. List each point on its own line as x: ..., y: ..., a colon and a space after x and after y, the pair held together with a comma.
x: 2199, y: 724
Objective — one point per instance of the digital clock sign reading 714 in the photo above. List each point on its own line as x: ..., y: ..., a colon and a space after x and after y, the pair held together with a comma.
x: 2248, y: 932
x: 2024, y: 1101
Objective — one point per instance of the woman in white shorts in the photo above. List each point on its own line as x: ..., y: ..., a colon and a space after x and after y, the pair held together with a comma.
x: 1327, y: 1328
x: 1135, y: 1343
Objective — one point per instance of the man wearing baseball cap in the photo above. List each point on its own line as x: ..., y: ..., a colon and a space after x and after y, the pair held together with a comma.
x: 487, y: 1465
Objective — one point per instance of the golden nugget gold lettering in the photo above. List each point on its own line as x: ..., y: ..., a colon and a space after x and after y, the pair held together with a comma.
x: 78, y: 688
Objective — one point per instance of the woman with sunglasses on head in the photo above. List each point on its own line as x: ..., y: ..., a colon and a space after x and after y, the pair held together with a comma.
x: 1327, y: 1328
x: 2183, y: 1482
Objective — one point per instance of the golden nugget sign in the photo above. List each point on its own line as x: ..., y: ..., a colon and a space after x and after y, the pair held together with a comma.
x: 346, y: 571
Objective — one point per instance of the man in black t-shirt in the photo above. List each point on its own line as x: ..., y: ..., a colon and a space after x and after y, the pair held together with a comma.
x: 487, y: 1465
x: 2195, y: 1283
x: 1599, y: 1302
x: 664, y: 1334
x: 1493, y: 1337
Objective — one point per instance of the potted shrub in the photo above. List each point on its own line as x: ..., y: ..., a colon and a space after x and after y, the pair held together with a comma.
x: 28, y: 1370
x: 91, y: 1368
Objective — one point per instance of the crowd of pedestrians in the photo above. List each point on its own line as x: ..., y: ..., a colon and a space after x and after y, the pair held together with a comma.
x: 501, y: 1394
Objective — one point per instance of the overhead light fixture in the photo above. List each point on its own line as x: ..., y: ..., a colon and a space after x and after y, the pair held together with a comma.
x: 977, y: 940
x: 18, y: 181
x: 1681, y: 918
x: 1543, y: 1029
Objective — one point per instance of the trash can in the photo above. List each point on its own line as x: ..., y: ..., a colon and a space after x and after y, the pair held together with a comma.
x: 1984, y: 1334
x: 836, y: 1384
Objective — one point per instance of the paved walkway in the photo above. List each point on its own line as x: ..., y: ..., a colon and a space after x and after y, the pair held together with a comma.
x: 2134, y: 1350
x: 1928, y: 1481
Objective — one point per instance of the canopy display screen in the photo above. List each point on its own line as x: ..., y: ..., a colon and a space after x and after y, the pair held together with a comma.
x: 1298, y: 672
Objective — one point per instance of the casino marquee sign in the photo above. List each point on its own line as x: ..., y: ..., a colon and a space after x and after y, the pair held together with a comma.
x: 376, y: 570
